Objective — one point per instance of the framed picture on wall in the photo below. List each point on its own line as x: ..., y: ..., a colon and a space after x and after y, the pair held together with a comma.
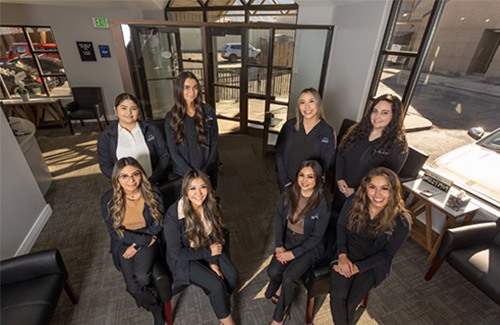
x: 86, y: 50
x: 104, y: 50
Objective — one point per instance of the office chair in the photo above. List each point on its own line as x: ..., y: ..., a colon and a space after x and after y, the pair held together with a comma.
x: 88, y: 104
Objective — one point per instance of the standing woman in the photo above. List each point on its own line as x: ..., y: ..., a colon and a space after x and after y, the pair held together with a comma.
x: 306, y: 136
x: 377, y: 140
x: 133, y: 214
x: 372, y: 227
x: 192, y: 131
x: 133, y: 138
x: 302, y: 216
x: 195, y: 239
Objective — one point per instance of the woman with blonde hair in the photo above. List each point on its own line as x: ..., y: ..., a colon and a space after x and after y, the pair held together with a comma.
x: 195, y: 244
x: 306, y: 136
x: 372, y: 227
x: 133, y: 214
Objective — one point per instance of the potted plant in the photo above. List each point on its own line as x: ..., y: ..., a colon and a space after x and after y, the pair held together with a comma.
x: 21, y: 90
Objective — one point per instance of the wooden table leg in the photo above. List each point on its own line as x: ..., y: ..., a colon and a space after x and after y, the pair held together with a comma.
x: 428, y: 226
x: 449, y: 223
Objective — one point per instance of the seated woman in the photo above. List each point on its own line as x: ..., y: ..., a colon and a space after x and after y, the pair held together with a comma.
x: 304, y: 137
x: 194, y: 237
x: 378, y: 140
x: 133, y: 138
x: 133, y: 213
x: 372, y: 227
x: 302, y: 216
x: 191, y: 130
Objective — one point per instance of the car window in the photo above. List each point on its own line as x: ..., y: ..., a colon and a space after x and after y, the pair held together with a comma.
x: 237, y: 47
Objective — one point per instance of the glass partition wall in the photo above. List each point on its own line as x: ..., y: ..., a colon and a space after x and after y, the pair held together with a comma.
x: 250, y: 73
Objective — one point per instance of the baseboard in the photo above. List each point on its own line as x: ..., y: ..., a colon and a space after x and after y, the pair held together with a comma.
x: 35, y: 231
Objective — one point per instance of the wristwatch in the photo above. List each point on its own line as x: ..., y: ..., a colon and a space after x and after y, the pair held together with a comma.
x: 136, y: 247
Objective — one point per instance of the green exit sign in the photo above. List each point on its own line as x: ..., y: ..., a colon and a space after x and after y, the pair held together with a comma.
x: 100, y: 22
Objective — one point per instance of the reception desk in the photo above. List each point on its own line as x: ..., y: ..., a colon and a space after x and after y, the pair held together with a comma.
x: 40, y: 111
x: 31, y: 150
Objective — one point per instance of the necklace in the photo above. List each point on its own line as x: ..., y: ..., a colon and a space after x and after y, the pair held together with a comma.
x: 133, y: 197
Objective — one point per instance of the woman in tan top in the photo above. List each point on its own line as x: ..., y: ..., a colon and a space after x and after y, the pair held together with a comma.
x: 133, y: 213
x: 302, y: 216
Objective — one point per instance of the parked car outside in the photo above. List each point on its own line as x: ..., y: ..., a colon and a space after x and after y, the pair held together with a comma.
x: 18, y: 49
x: 232, y: 52
x: 49, y: 66
x: 475, y: 167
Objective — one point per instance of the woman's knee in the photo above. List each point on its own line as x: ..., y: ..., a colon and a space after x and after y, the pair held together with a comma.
x: 143, y: 278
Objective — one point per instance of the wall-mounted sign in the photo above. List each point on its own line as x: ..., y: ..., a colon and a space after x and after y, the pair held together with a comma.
x: 86, y: 50
x: 100, y: 22
x: 104, y: 50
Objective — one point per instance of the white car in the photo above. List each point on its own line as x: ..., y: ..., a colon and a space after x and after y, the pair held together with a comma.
x: 475, y: 167
x: 232, y: 52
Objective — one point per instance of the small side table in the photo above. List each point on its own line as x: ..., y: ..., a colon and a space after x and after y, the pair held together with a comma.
x: 422, y: 203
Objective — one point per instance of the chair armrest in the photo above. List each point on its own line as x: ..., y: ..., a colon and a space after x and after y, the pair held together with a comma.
x: 72, y: 106
x: 31, y: 266
x: 467, y: 236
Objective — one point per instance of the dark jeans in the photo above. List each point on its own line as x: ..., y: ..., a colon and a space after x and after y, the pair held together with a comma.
x: 217, y: 289
x: 288, y: 276
x: 347, y: 293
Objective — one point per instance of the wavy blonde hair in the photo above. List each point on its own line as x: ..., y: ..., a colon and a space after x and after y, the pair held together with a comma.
x: 117, y: 202
x: 211, y: 211
x: 386, y: 219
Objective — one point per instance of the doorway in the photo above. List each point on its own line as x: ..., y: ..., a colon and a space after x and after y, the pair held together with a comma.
x: 251, y: 74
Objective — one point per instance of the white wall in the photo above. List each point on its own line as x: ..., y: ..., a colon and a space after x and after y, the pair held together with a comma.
x: 72, y: 24
x: 23, y: 210
x: 359, y: 28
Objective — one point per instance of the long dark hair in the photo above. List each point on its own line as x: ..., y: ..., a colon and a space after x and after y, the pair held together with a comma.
x: 117, y: 202
x: 180, y: 107
x: 293, y: 193
x: 392, y: 136
x: 386, y: 219
x: 211, y: 211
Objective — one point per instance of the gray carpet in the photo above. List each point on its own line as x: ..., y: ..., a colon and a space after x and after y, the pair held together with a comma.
x: 248, y: 192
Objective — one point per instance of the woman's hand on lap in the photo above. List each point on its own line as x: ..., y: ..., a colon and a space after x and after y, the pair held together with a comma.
x: 217, y: 270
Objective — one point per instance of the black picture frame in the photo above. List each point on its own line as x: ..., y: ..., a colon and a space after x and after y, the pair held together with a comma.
x: 86, y: 50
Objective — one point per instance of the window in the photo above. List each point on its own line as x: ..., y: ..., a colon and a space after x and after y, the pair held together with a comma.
x: 231, y: 11
x: 29, y: 59
x: 442, y: 59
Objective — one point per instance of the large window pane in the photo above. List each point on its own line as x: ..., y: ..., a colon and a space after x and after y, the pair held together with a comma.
x: 25, y: 62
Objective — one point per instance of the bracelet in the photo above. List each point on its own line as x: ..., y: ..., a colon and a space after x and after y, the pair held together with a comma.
x: 136, y: 247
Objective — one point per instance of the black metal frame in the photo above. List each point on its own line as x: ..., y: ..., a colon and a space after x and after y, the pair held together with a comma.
x: 247, y: 7
x: 419, y: 55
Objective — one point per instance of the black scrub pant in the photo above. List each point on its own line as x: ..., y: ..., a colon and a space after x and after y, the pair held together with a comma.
x: 346, y: 294
x: 288, y: 276
x: 217, y: 289
x: 137, y: 273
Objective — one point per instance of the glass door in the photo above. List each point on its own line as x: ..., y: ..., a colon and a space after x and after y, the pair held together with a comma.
x: 226, y: 64
x: 155, y: 55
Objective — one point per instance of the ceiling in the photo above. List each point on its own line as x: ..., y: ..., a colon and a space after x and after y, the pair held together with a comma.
x: 123, y: 4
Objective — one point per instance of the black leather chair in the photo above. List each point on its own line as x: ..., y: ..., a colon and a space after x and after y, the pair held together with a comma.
x: 344, y: 127
x: 413, y: 164
x: 31, y: 286
x: 474, y: 251
x: 88, y: 104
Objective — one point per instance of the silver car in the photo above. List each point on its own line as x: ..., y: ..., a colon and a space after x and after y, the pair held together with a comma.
x: 475, y: 167
x: 232, y: 52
